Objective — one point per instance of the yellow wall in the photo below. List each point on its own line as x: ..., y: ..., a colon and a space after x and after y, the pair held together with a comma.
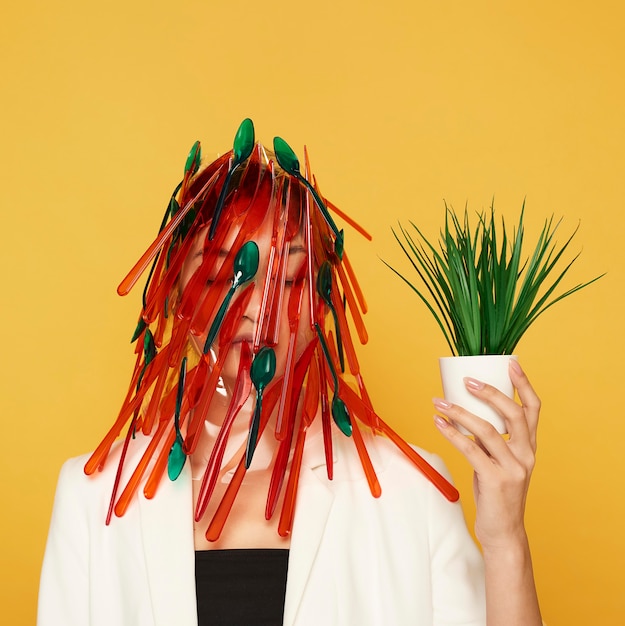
x: 402, y: 104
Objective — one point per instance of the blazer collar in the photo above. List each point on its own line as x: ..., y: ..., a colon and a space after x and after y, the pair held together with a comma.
x: 167, y: 530
x: 313, y: 505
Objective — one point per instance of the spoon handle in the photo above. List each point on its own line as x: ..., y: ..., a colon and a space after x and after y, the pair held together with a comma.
x: 360, y: 296
x: 214, y: 529
x: 137, y: 475
x: 275, y: 309
x: 261, y: 325
x: 339, y: 342
x: 437, y: 479
x: 344, y: 338
x: 285, y: 396
x: 118, y: 474
x: 365, y: 460
x: 232, y: 165
x: 346, y: 218
x: 325, y: 418
x: 154, y: 479
x: 219, y: 317
x: 201, y: 410
x: 352, y: 304
x: 150, y: 414
x: 252, y: 438
x: 288, y: 506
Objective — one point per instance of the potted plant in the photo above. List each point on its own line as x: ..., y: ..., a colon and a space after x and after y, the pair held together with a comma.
x: 484, y: 293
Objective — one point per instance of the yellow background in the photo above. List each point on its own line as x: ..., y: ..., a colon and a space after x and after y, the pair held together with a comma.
x: 402, y: 105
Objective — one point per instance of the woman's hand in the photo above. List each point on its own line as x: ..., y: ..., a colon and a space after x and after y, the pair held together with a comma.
x: 502, y: 471
x: 502, y: 468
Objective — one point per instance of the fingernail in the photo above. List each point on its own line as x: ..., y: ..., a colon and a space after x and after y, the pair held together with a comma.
x: 440, y: 422
x: 514, y: 365
x: 439, y: 403
x: 472, y: 383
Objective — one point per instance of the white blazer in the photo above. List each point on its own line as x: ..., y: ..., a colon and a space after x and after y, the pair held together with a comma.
x: 403, y: 559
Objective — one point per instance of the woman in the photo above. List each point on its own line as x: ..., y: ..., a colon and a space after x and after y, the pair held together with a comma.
x: 288, y: 510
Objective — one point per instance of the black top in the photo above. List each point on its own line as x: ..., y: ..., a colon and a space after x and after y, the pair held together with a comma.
x: 240, y: 587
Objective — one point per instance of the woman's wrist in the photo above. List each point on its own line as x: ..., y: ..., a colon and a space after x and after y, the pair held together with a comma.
x: 513, y: 546
x: 511, y: 598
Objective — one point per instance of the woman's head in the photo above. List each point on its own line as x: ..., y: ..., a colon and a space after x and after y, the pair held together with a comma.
x: 255, y: 202
x: 247, y: 253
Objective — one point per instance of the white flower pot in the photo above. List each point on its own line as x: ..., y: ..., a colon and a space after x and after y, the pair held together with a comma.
x: 488, y: 368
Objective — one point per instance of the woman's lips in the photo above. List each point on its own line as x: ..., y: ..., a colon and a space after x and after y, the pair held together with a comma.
x: 248, y: 338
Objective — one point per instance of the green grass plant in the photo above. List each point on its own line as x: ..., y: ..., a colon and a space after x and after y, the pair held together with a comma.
x: 480, y: 287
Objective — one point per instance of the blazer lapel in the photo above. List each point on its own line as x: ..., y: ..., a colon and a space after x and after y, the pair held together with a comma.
x: 314, y: 502
x: 167, y: 530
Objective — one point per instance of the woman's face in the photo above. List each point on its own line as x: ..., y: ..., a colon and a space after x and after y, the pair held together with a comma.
x: 250, y: 317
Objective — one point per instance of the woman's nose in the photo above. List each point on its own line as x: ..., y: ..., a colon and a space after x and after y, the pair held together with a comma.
x: 252, y: 310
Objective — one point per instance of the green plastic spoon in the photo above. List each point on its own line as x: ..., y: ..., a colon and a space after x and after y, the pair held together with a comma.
x: 324, y: 289
x: 241, y: 150
x: 192, y: 164
x: 245, y: 268
x: 261, y: 373
x: 288, y: 161
x: 340, y: 412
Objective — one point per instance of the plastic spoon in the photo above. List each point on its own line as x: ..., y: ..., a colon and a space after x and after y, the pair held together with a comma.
x: 324, y: 289
x: 340, y: 413
x: 262, y: 371
x: 289, y: 163
x: 242, y: 149
x: 177, y: 457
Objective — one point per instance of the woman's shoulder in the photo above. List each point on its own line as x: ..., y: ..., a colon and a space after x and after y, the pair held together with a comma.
x: 394, y: 470
x: 74, y: 479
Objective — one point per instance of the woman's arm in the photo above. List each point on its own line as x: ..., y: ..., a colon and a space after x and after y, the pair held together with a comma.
x: 501, y: 481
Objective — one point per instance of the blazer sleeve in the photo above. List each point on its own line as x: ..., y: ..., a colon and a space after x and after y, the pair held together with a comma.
x: 64, y: 584
x: 458, y: 594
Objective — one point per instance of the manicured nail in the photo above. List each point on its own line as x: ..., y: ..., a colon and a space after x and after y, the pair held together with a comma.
x: 439, y: 403
x: 440, y: 422
x: 514, y: 365
x: 473, y: 384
